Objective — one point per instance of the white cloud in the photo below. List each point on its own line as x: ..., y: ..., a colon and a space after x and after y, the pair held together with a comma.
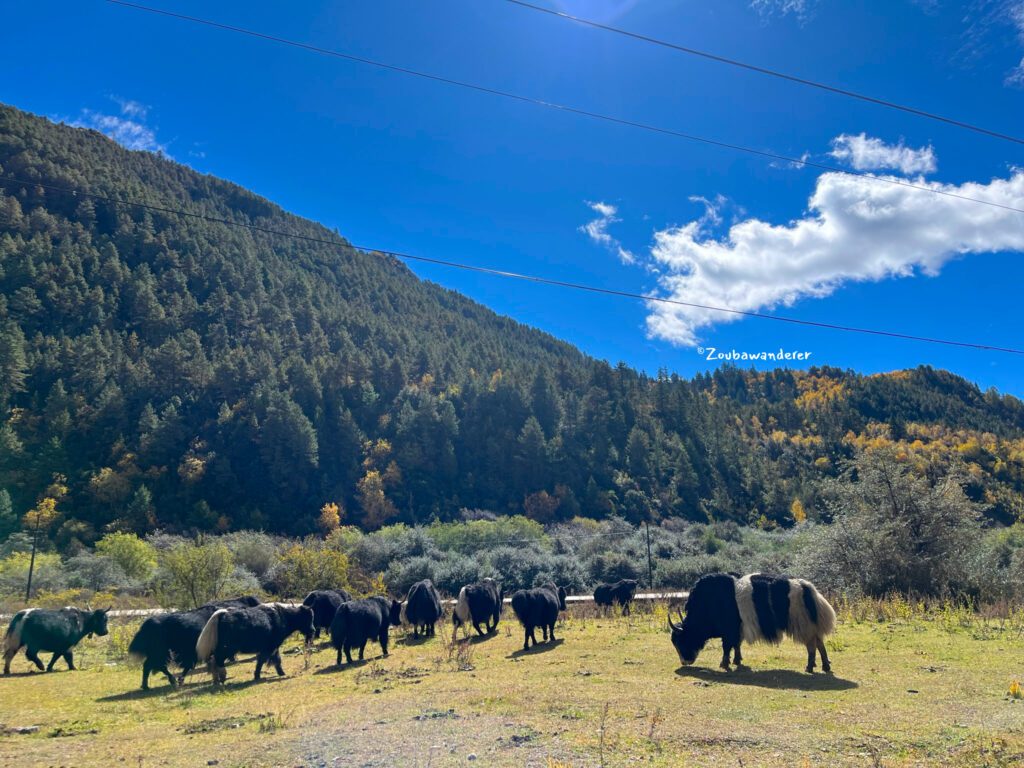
x: 1015, y: 11
x: 128, y: 129
x: 866, y: 153
x: 801, y: 9
x: 855, y: 230
x: 597, y: 230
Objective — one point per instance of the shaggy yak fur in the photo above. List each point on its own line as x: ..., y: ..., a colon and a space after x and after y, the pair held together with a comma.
x: 259, y: 630
x: 324, y: 603
x: 55, y: 632
x: 756, y: 609
x: 359, y: 621
x: 171, y: 638
x: 422, y: 608
x: 620, y: 592
x: 538, y: 607
x: 478, y: 604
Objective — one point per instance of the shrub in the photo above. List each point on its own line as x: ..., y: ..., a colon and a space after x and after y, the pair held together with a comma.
x: 309, y: 566
x: 455, y: 572
x: 96, y: 572
x: 136, y: 557
x: 256, y: 551
x: 46, y: 577
x: 191, y: 574
x: 403, y: 574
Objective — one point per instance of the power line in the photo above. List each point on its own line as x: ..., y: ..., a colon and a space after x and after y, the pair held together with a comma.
x: 565, y: 107
x: 513, y: 275
x: 767, y: 71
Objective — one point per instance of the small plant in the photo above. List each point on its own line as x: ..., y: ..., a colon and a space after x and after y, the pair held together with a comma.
x: 1016, y: 691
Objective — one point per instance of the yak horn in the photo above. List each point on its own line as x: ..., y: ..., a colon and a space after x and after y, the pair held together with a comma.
x: 677, y: 627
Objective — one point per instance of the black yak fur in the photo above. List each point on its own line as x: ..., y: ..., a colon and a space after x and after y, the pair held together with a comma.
x: 52, y: 631
x: 757, y: 609
x: 172, y: 637
x: 359, y: 621
x: 260, y: 630
x: 324, y: 603
x: 620, y: 593
x: 538, y: 607
x: 479, y: 603
x: 422, y: 607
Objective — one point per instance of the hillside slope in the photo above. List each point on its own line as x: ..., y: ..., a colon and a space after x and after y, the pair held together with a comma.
x: 187, y: 374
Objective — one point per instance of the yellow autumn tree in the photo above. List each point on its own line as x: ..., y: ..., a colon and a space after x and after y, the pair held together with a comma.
x: 377, y: 507
x: 330, y: 517
x: 797, y: 510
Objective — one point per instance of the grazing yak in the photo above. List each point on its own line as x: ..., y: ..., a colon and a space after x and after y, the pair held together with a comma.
x: 538, y: 607
x: 478, y: 604
x: 324, y: 603
x: 171, y: 638
x: 259, y: 630
x: 754, y: 608
x: 422, y: 608
x: 53, y: 631
x: 359, y: 621
x: 620, y: 592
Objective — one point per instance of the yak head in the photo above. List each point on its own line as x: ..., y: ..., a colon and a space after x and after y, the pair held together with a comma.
x: 686, y: 641
x: 96, y: 622
x: 302, y: 621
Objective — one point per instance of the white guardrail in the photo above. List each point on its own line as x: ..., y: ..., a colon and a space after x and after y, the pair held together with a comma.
x: 129, y: 613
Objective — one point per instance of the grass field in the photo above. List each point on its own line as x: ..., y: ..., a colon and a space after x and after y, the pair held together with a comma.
x: 910, y: 688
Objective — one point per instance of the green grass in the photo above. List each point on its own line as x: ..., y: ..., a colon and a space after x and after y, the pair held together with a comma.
x: 910, y: 688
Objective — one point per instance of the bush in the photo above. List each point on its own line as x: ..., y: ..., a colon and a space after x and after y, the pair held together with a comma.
x: 256, y: 551
x: 309, y: 566
x: 612, y: 566
x: 136, y: 557
x: 191, y: 574
x: 403, y: 574
x: 455, y: 572
x: 47, y: 576
x: 96, y: 572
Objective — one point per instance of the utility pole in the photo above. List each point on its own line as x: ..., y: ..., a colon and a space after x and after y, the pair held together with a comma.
x: 32, y: 561
x: 650, y: 565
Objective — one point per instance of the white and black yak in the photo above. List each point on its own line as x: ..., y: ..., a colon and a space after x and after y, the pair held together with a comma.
x: 755, y: 609
x: 324, y: 603
x: 478, y: 604
x: 621, y: 593
x: 422, y: 608
x: 52, y: 631
x: 538, y: 607
x: 359, y: 621
x: 170, y: 638
x: 260, y: 630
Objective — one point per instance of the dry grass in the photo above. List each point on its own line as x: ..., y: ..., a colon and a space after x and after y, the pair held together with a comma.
x: 912, y: 687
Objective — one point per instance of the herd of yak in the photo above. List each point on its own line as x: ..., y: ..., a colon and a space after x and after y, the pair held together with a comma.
x: 734, y: 608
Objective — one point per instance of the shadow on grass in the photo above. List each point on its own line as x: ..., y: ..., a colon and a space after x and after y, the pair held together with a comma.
x: 156, y: 690
x: 356, y: 663
x: 409, y: 639
x: 772, y: 678
x: 540, y: 647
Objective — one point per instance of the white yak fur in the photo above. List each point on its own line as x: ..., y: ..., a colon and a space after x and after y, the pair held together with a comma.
x: 12, y: 640
x: 207, y: 642
x: 800, y: 626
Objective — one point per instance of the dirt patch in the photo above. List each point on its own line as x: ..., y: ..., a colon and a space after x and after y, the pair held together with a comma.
x: 223, y: 723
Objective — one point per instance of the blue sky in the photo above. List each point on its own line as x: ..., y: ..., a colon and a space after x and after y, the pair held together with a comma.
x: 399, y: 163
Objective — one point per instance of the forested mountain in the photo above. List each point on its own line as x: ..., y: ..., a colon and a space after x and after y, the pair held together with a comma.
x: 183, y: 373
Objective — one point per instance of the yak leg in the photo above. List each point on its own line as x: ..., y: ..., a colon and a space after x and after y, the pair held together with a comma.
x: 552, y: 632
x: 384, y: 641
x: 276, y: 658
x: 737, y: 659
x: 810, y: 656
x: 260, y: 661
x: 33, y: 656
x: 7, y: 660
x: 53, y: 660
x: 825, y: 665
x: 476, y: 626
x: 726, y: 648
x: 69, y: 657
x: 527, y: 631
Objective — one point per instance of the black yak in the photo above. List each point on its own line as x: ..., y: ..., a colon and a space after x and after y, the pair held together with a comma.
x: 538, y: 607
x: 422, y: 608
x: 620, y: 592
x: 324, y: 603
x: 171, y: 638
x: 478, y: 604
x: 53, y: 631
x: 755, y: 608
x: 359, y: 621
x: 259, y: 630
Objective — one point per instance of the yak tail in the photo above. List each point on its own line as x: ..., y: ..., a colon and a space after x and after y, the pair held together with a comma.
x: 207, y: 642
x: 811, y: 617
x: 12, y: 639
x: 461, y: 614
x: 139, y: 647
